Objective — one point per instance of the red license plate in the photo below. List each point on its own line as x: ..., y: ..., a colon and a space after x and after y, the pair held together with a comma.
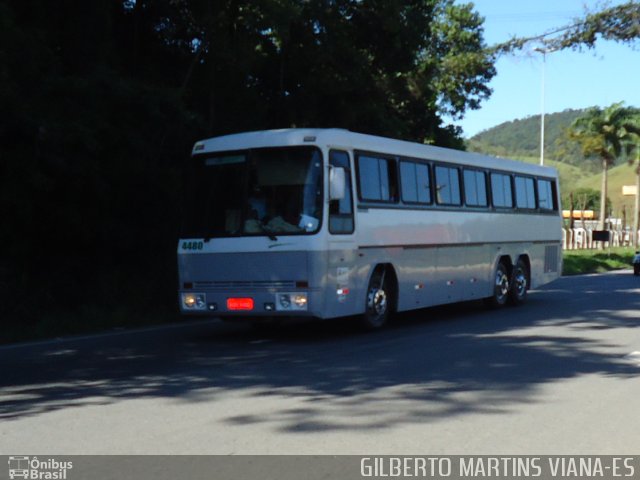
x: 239, y: 303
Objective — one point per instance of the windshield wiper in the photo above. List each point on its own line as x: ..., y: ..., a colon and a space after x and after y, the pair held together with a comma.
x: 269, y: 234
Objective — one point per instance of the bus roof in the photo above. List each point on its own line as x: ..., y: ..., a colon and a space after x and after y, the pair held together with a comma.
x: 345, y: 139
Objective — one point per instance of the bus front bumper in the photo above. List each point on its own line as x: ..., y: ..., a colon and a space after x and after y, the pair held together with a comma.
x: 289, y: 303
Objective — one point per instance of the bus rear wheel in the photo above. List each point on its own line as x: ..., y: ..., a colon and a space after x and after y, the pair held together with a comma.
x: 519, y: 284
x: 500, y: 287
x: 378, y: 302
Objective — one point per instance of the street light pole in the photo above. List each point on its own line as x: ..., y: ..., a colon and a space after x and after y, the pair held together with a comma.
x: 544, y: 52
x: 636, y: 209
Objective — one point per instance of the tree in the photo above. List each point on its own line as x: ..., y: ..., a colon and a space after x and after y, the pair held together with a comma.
x: 584, y: 199
x: 90, y: 169
x: 619, y: 23
x: 101, y: 103
x: 633, y: 153
x: 604, y: 133
x: 455, y: 54
x: 391, y: 67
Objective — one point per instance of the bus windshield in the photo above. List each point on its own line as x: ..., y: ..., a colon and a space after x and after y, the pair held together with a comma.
x: 268, y: 191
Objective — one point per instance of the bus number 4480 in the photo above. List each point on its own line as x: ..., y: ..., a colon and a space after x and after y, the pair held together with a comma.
x: 192, y: 245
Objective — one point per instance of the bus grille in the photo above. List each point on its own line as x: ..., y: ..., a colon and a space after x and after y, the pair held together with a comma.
x: 240, y: 285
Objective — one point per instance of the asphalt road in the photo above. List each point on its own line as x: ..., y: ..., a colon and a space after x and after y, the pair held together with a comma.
x: 559, y: 375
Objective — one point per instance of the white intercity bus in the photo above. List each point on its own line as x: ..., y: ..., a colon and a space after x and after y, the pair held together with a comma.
x: 329, y: 223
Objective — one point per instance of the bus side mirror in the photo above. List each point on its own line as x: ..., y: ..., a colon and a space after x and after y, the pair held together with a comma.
x: 337, y: 183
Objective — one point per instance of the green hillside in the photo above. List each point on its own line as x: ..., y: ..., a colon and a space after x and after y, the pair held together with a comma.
x: 571, y: 176
x: 519, y: 140
x: 619, y: 175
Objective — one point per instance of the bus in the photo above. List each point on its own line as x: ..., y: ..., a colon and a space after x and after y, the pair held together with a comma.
x: 328, y: 223
x: 18, y: 467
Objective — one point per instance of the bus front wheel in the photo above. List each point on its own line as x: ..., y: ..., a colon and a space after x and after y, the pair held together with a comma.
x: 378, y: 301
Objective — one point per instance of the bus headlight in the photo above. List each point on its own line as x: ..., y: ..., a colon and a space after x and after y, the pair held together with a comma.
x: 194, y: 301
x: 291, y: 301
x: 300, y: 300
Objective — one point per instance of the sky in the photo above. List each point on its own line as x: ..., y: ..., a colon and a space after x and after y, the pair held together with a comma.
x: 601, y: 76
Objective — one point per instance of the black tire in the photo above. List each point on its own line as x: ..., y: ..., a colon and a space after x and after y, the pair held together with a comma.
x: 501, y: 283
x: 378, y: 301
x: 519, y: 284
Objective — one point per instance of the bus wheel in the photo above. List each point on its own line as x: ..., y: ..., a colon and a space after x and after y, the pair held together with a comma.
x: 519, y: 284
x: 378, y: 302
x: 500, y: 287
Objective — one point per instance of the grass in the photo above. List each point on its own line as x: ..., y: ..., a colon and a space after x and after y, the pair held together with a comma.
x: 577, y: 262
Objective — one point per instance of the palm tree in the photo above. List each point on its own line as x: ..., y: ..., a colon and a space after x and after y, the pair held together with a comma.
x: 633, y: 147
x: 636, y: 205
x: 605, y: 134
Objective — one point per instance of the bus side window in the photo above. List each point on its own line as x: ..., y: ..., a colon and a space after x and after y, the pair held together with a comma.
x: 501, y: 190
x: 415, y: 182
x: 341, y: 211
x: 546, y: 196
x: 448, y: 185
x: 475, y: 188
x: 377, y: 179
x: 525, y: 193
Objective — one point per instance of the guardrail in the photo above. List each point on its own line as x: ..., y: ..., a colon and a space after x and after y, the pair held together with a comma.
x: 582, y: 238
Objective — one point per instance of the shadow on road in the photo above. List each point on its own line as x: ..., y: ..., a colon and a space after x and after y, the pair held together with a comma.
x: 429, y: 365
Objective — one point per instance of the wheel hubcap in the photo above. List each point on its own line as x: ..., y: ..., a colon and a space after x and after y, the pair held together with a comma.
x: 502, y: 284
x: 377, y: 301
x: 521, y: 283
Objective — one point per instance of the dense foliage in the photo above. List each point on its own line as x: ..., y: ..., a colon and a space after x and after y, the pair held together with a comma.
x: 583, y: 199
x: 620, y: 23
x: 102, y: 101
